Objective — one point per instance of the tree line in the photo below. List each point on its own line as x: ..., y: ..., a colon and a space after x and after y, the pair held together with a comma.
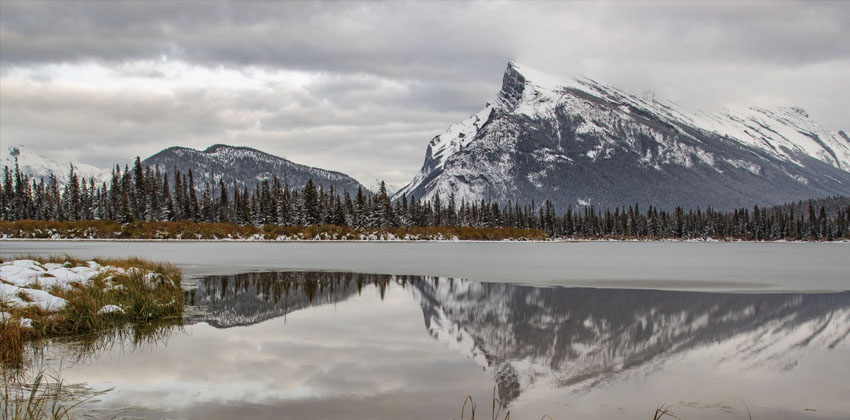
x: 148, y: 194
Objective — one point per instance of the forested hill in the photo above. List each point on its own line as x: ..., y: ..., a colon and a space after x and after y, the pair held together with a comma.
x: 244, y: 167
x: 145, y: 194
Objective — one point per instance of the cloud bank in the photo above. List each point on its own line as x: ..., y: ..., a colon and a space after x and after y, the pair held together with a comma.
x: 362, y: 87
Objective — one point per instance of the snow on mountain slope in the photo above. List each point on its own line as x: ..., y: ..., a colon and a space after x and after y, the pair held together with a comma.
x: 582, y: 141
x: 246, y: 167
x: 37, y: 166
x: 784, y: 132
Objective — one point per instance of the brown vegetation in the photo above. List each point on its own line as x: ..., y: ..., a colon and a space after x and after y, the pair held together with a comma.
x: 102, y: 229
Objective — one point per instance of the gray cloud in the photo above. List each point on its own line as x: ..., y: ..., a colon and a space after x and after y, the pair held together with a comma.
x: 386, y: 77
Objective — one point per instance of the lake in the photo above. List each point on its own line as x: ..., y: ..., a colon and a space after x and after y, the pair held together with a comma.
x: 408, y: 330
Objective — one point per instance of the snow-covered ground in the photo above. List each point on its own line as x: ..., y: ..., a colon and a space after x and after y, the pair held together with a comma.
x: 26, y: 283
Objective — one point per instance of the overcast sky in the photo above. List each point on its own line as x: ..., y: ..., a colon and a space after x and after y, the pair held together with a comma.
x: 362, y: 87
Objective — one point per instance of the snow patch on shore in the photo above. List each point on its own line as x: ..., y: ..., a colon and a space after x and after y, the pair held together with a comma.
x: 26, y: 283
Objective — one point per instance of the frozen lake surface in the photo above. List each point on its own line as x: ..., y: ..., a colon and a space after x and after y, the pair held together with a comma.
x: 303, y: 331
x: 740, y: 267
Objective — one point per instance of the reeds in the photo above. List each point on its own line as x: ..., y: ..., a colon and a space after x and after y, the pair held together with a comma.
x: 13, y: 337
x: 23, y: 399
x: 496, y: 407
x: 663, y: 411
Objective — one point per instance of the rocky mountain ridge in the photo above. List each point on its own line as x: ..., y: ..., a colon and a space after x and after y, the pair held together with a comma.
x: 581, y: 142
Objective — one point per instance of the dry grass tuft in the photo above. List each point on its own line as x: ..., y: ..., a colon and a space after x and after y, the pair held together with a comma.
x: 13, y: 338
x: 145, y: 291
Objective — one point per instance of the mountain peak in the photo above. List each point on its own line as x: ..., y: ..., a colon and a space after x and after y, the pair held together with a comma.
x: 547, y: 138
x: 531, y: 75
x: 513, y: 84
x: 216, y: 147
x: 518, y: 77
x: 219, y: 147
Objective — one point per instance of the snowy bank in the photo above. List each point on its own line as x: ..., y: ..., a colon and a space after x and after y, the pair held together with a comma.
x: 63, y: 296
x: 25, y: 283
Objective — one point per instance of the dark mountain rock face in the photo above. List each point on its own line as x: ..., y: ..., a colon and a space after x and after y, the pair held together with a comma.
x: 245, y: 167
x: 580, y: 142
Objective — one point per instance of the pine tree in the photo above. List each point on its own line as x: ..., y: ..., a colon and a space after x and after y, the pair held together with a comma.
x: 311, y: 203
x: 438, y: 210
x: 360, y: 209
x: 284, y: 207
x: 6, y: 194
x: 139, y: 205
x: 179, y: 197
x: 71, y: 196
x: 166, y: 208
x: 126, y: 213
x: 338, y: 217
x: 382, y: 212
x: 18, y: 201
x: 223, y: 205
x: 115, y: 194
x: 193, y: 211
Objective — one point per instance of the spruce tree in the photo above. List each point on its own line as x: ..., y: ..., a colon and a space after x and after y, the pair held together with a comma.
x: 193, y: 210
x: 139, y: 204
x: 311, y: 203
x: 438, y: 210
x: 166, y: 205
x: 223, y: 205
x: 360, y: 209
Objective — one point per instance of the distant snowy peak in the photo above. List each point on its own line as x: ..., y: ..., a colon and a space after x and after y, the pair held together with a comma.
x: 579, y: 141
x: 36, y: 166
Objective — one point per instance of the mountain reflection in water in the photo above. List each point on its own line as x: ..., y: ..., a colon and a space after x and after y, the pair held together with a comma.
x: 570, y: 338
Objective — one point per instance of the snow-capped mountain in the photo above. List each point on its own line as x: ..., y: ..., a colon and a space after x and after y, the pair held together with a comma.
x: 577, y: 338
x: 36, y: 166
x: 245, y: 167
x: 579, y: 142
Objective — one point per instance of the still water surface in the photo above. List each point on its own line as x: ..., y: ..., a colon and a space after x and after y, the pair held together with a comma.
x: 737, y: 266
x: 572, y: 330
x: 308, y: 345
